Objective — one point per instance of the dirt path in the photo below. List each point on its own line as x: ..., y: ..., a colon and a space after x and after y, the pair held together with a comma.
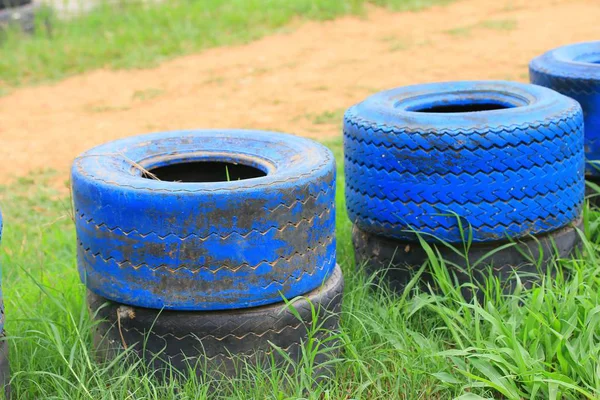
x: 299, y: 82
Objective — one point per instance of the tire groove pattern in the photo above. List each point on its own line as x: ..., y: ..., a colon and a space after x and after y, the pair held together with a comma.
x: 562, y: 70
x: 405, y: 173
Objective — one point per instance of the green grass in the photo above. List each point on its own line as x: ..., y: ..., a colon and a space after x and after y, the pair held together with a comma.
x: 541, y: 343
x: 132, y: 35
x: 494, y: 24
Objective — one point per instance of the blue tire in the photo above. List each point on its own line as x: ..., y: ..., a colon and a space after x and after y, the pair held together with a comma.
x: 574, y: 71
x: 4, y: 364
x: 501, y: 159
x: 205, y: 243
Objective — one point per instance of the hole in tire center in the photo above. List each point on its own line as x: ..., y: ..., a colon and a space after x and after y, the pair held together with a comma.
x: 204, y: 171
x: 462, y: 108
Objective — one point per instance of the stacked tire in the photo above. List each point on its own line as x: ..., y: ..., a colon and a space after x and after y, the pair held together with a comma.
x: 490, y: 174
x: 189, y: 242
x: 574, y: 71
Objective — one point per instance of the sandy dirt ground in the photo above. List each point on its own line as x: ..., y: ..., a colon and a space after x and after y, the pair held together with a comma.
x: 298, y: 81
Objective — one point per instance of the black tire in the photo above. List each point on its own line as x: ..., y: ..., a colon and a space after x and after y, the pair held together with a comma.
x: 199, y: 238
x: 218, y: 340
x: 22, y: 15
x: 395, y: 262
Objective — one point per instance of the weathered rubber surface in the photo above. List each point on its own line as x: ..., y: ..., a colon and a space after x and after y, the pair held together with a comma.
x: 207, y: 245
x: 216, y: 340
x: 13, y: 3
x: 396, y: 262
x: 23, y: 15
x: 574, y: 71
x: 510, y: 172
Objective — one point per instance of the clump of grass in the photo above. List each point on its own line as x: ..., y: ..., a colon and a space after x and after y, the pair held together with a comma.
x: 504, y: 25
x: 398, y: 46
x: 460, y: 31
x: 327, y: 117
x: 540, y: 344
x: 395, y: 43
x: 105, y: 108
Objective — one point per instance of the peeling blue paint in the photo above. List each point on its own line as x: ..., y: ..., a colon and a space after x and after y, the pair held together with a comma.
x: 205, y: 245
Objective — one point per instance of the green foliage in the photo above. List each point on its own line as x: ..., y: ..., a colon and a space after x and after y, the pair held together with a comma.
x: 501, y: 25
x: 540, y: 343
